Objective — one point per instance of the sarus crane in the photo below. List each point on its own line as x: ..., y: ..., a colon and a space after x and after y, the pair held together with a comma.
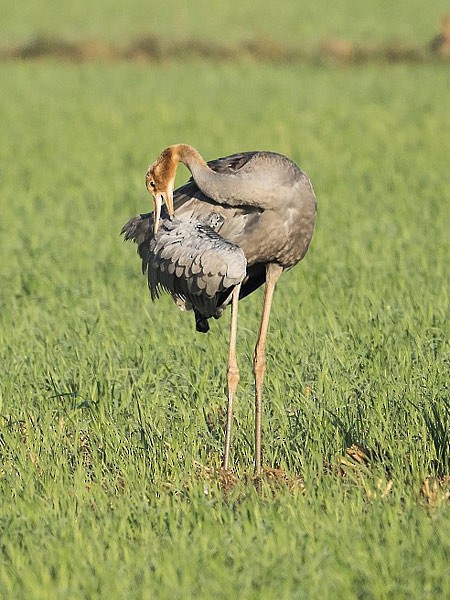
x: 239, y: 222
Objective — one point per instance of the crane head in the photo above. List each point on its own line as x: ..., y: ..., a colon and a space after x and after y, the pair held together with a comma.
x: 159, y: 181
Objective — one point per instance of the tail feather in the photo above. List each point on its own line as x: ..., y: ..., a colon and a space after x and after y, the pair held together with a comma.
x: 201, y: 322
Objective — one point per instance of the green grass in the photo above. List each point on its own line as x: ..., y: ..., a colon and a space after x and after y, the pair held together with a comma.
x: 230, y: 22
x: 112, y: 408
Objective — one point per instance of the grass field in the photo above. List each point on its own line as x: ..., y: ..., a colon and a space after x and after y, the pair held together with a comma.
x: 112, y: 409
x: 229, y: 21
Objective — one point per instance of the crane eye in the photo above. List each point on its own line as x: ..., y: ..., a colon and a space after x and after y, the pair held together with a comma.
x: 153, y: 186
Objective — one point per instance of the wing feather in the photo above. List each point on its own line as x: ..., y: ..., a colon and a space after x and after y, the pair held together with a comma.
x: 196, y: 258
x: 189, y: 260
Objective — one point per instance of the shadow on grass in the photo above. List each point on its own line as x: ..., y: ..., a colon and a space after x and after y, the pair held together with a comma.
x: 358, y: 469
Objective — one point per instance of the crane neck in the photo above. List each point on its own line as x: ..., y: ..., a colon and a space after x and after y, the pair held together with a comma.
x: 224, y: 188
x: 189, y: 156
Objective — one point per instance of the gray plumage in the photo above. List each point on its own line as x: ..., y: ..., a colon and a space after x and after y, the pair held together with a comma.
x: 239, y: 222
x: 234, y: 218
x: 194, y: 264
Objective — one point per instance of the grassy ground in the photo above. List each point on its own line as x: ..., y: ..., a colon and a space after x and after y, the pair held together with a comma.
x: 112, y: 408
x: 227, y: 21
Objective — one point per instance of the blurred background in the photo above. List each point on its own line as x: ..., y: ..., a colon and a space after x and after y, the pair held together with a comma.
x: 230, y: 22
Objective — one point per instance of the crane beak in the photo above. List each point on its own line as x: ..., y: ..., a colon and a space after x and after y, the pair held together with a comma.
x: 158, y: 200
x: 169, y: 203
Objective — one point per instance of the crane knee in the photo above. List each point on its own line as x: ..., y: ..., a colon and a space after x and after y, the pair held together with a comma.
x: 233, y: 378
x: 259, y: 363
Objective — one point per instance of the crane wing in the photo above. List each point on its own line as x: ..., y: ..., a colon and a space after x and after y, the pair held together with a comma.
x: 188, y: 260
x: 192, y: 262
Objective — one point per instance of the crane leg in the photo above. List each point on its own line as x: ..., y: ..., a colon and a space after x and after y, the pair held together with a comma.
x: 273, y: 272
x: 232, y: 374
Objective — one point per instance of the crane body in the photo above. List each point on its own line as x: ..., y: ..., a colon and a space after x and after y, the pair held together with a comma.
x: 238, y: 223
